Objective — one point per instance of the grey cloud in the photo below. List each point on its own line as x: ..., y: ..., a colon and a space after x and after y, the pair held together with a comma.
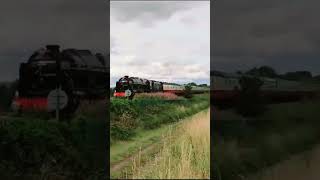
x: 188, y: 20
x: 264, y: 29
x: 29, y: 25
x: 147, y: 13
x: 71, y: 23
x: 113, y: 46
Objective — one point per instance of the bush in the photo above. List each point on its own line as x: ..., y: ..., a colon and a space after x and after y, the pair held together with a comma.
x: 36, y: 148
x: 29, y: 143
x: 249, y: 103
x: 123, y: 126
x: 188, y: 92
x: 158, y: 95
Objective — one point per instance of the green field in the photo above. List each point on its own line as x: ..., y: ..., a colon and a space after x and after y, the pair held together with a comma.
x: 150, y: 119
x: 248, y: 145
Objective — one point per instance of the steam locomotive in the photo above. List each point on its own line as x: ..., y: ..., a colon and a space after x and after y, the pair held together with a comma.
x: 129, y: 86
x: 80, y: 74
x: 226, y: 87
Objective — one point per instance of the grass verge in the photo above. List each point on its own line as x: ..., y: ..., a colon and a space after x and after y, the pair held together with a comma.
x: 247, y: 146
x: 184, y: 154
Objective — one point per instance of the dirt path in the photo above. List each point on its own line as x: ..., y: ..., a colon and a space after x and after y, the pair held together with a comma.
x: 146, y: 150
x: 127, y: 161
x: 149, y: 149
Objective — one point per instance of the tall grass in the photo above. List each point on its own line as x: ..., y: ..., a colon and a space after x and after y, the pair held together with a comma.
x: 185, y: 153
x: 245, y: 147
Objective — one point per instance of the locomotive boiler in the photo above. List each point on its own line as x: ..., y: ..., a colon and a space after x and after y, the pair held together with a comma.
x: 80, y: 74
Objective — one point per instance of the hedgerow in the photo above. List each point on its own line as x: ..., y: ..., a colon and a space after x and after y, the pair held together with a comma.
x: 42, y: 149
x: 149, y: 113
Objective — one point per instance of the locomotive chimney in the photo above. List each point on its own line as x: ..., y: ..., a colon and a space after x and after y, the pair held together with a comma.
x: 53, y: 48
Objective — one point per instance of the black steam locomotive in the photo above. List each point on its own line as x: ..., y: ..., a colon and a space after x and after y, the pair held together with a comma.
x: 79, y: 73
x: 129, y: 86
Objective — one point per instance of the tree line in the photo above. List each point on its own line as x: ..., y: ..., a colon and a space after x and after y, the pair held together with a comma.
x: 267, y: 71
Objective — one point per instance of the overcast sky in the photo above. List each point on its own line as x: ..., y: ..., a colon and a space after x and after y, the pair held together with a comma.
x: 247, y: 33
x: 26, y: 26
x: 284, y: 34
x: 160, y: 40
